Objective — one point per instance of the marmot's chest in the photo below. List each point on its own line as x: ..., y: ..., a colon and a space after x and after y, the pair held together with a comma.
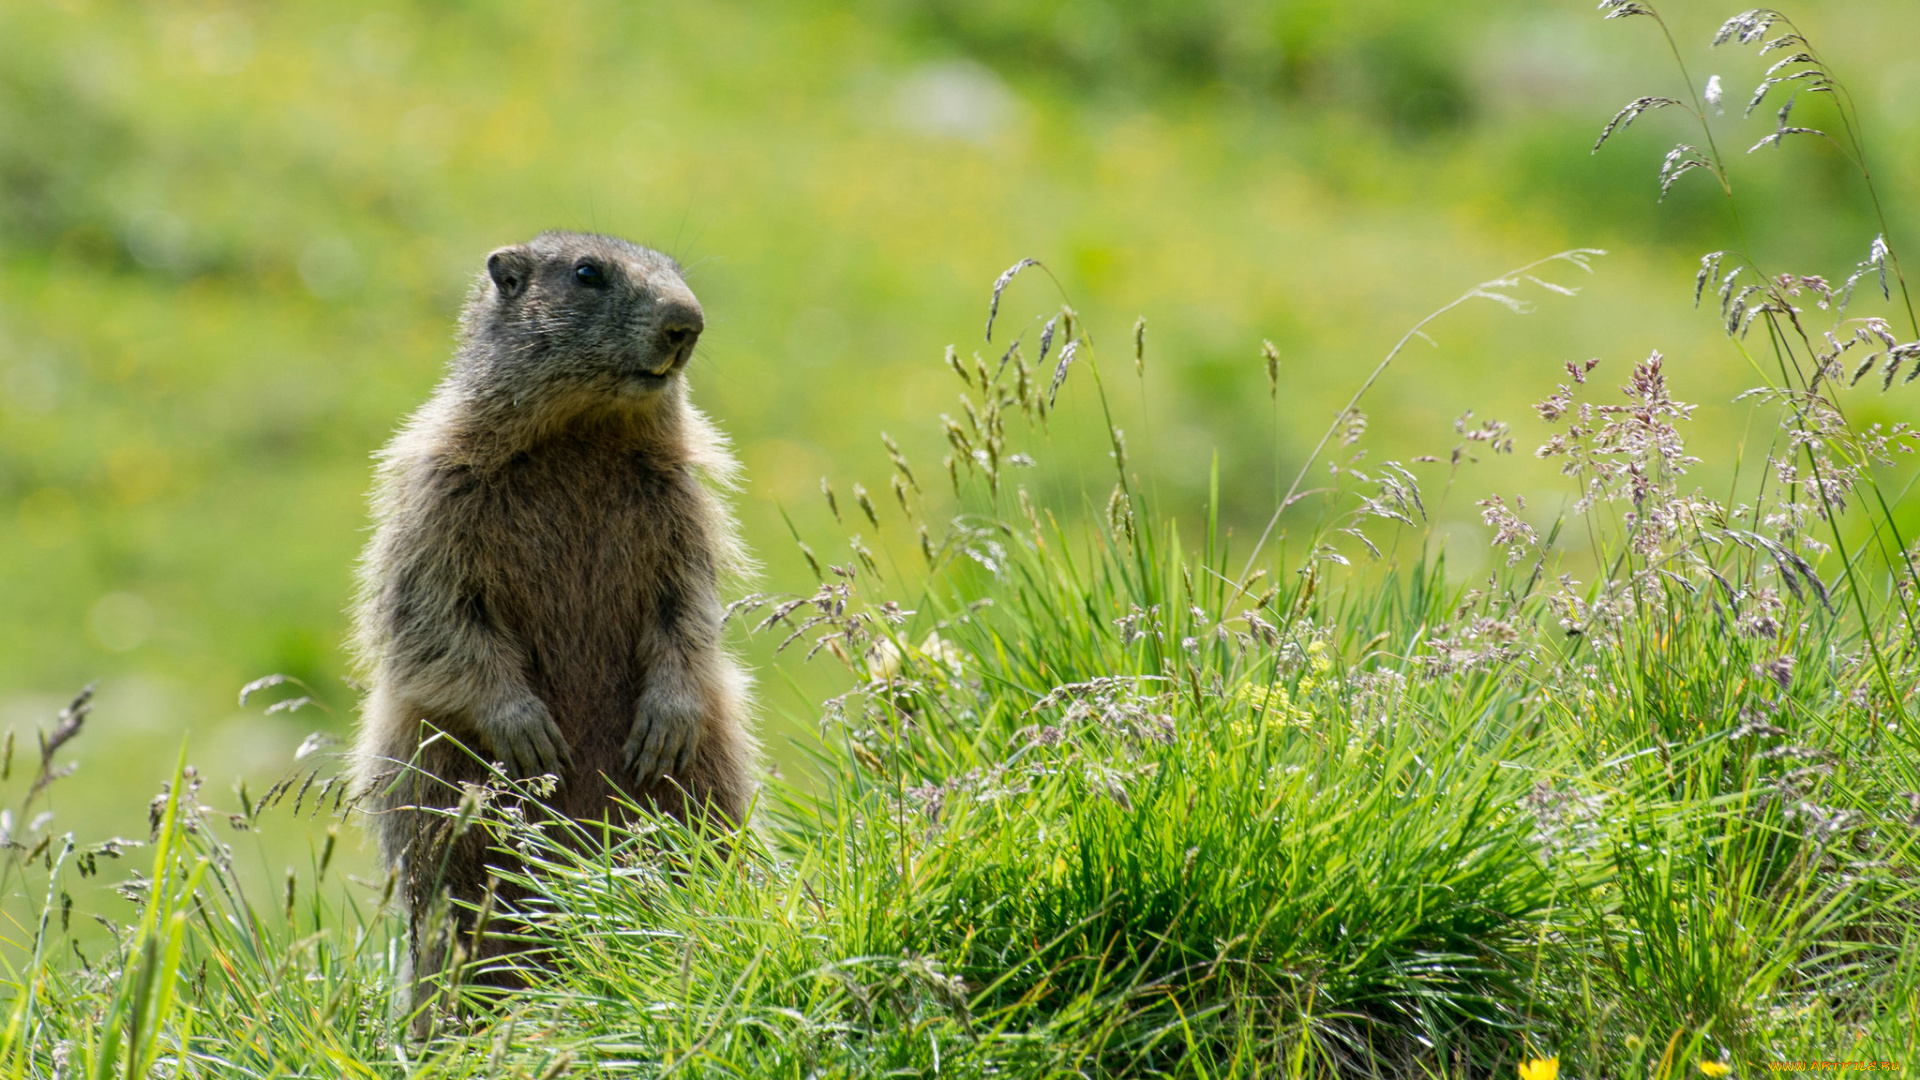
x: 583, y: 543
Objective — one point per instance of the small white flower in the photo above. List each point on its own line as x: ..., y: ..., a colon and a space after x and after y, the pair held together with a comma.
x: 1713, y: 93
x: 943, y: 652
x: 883, y: 660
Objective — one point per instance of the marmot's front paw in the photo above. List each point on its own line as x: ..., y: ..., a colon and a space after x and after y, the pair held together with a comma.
x: 666, y: 731
x: 526, y: 741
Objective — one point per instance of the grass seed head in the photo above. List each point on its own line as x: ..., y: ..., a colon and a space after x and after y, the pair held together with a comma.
x: 958, y: 368
x: 1353, y: 427
x: 1631, y: 112
x: 1033, y: 520
x: 1621, y: 9
x: 1120, y: 514
x: 865, y: 555
x: 1748, y: 26
x: 999, y: 286
x: 1678, y: 162
x: 899, y: 460
x: 866, y: 504
x: 1060, y: 373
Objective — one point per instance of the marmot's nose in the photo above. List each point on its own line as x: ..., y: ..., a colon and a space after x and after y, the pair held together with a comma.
x: 680, y: 325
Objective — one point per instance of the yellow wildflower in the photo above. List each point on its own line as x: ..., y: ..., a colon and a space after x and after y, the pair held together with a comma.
x: 1317, y: 657
x: 1274, y: 704
x: 1541, y: 1069
x: 1715, y: 1069
x: 1273, y: 697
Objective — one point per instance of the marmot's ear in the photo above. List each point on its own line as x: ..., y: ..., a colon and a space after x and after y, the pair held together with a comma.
x: 510, y: 268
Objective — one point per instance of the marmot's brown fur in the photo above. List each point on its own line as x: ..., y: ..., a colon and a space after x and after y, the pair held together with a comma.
x: 542, y: 583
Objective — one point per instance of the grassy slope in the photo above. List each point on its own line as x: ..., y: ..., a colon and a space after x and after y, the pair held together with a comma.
x: 1095, y: 810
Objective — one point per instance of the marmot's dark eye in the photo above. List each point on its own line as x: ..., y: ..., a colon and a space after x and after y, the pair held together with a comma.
x: 589, y: 275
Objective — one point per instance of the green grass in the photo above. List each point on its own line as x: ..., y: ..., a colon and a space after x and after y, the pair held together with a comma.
x: 1108, y: 791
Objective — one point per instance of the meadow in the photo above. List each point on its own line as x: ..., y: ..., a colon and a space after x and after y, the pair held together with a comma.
x: 1143, y: 700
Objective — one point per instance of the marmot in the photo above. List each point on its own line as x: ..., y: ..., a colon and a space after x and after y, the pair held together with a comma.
x: 542, y: 584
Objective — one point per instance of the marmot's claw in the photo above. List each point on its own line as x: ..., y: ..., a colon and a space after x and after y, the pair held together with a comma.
x: 662, y: 744
x: 527, y: 741
x: 687, y: 746
x: 648, y: 754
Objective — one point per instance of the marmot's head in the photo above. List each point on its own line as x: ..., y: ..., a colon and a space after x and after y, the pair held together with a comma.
x: 573, y: 315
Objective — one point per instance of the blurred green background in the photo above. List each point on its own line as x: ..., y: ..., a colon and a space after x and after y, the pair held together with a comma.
x: 234, y: 237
